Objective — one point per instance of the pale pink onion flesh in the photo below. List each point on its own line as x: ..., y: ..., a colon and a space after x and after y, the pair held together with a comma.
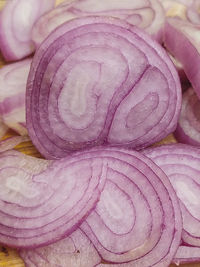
x: 99, y: 80
x: 181, y: 39
x: 187, y: 254
x: 42, y: 201
x: 13, y: 79
x: 73, y: 251
x: 193, y: 12
x: 16, y: 21
x: 181, y: 163
x: 146, y: 14
x: 136, y: 221
x: 188, y: 128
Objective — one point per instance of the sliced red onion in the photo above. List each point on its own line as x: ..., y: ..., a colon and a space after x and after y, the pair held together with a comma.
x: 181, y: 163
x: 11, y: 142
x: 188, y: 129
x: 146, y: 14
x: 13, y: 79
x: 43, y: 201
x: 137, y: 220
x: 73, y: 251
x: 98, y: 80
x: 181, y: 38
x: 16, y: 22
x: 186, y: 254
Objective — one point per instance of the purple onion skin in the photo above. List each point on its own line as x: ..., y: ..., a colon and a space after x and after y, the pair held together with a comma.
x: 137, y: 105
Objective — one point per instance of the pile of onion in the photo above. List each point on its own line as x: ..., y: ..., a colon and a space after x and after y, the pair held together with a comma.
x: 94, y: 85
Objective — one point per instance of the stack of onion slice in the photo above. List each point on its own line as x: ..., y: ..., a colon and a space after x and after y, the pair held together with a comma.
x: 122, y: 201
x: 99, y: 80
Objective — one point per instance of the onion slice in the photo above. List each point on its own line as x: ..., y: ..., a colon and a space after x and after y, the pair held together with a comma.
x: 181, y: 38
x: 188, y: 128
x: 186, y: 254
x: 181, y: 163
x: 99, y: 80
x: 16, y: 22
x: 13, y: 79
x: 146, y: 14
x: 75, y: 250
x: 42, y: 201
x: 137, y: 220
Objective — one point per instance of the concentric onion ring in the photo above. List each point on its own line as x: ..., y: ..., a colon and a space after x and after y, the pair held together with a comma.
x: 98, y: 80
x: 181, y: 163
x: 42, y: 201
x: 137, y: 220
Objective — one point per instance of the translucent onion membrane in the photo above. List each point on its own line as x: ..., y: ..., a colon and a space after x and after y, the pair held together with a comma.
x: 13, y: 79
x: 146, y: 14
x: 181, y: 38
x: 42, y: 201
x: 186, y: 254
x: 137, y: 218
x: 73, y: 251
x: 188, y: 129
x: 99, y: 80
x: 16, y: 22
x: 181, y: 163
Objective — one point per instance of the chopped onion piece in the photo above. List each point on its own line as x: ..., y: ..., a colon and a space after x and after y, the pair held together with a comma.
x: 181, y: 163
x: 188, y: 129
x: 181, y: 38
x: 16, y: 21
x: 146, y: 14
x: 99, y: 80
x: 13, y: 79
x: 3, y: 128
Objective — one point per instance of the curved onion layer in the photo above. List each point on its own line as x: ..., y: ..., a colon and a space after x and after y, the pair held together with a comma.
x: 73, y: 251
x: 181, y: 38
x: 13, y: 79
x: 42, y: 201
x: 181, y: 163
x: 146, y: 14
x: 98, y: 80
x: 188, y: 129
x: 137, y: 220
x: 186, y: 254
x: 16, y: 22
